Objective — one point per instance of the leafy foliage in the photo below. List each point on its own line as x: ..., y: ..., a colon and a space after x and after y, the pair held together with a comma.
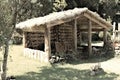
x: 5, y: 16
x: 33, y: 8
x: 59, y: 5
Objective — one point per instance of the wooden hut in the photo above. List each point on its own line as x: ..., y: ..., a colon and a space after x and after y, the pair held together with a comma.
x: 60, y: 30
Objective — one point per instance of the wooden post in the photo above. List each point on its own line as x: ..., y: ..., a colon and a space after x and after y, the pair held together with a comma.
x: 114, y: 33
x: 80, y: 37
x: 75, y: 34
x: 24, y: 39
x: 90, y: 38
x: 24, y: 44
x: 47, y: 44
x: 105, y: 36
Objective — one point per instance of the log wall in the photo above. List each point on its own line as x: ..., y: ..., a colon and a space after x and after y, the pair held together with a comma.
x: 34, y: 40
x: 64, y: 35
x: 62, y: 39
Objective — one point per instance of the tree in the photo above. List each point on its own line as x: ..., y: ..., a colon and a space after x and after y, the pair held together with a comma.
x: 33, y: 8
x: 8, y: 16
x: 106, y: 8
x: 10, y: 11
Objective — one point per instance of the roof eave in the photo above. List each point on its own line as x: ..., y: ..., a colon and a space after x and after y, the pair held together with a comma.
x: 97, y: 19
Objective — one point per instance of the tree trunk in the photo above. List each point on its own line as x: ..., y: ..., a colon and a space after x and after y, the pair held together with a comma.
x: 6, y: 47
x: 5, y: 57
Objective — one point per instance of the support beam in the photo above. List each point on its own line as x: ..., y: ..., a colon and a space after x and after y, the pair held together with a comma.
x: 24, y: 39
x: 75, y: 34
x: 47, y: 44
x: 90, y: 38
x: 105, y: 36
x: 25, y: 44
x: 114, y: 32
x: 80, y: 37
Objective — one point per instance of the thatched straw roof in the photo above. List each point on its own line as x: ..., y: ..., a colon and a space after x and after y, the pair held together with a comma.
x: 62, y: 17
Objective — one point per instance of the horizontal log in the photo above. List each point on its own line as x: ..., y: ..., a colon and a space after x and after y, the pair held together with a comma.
x: 92, y: 30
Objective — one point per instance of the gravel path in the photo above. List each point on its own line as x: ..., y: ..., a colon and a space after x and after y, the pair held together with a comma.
x: 112, y: 65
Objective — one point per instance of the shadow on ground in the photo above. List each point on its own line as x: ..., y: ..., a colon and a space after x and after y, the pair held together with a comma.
x: 57, y: 73
x: 90, y: 60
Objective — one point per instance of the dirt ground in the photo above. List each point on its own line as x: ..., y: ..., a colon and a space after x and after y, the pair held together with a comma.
x: 19, y: 65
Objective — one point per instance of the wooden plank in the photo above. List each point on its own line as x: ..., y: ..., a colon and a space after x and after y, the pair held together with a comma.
x: 90, y: 38
x: 33, y: 30
x: 93, y: 26
x: 105, y: 36
x: 75, y: 34
x: 85, y: 22
x: 47, y: 44
x: 24, y: 40
x: 95, y: 30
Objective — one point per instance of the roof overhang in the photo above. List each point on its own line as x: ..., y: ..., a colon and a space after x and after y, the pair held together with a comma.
x: 58, y: 18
